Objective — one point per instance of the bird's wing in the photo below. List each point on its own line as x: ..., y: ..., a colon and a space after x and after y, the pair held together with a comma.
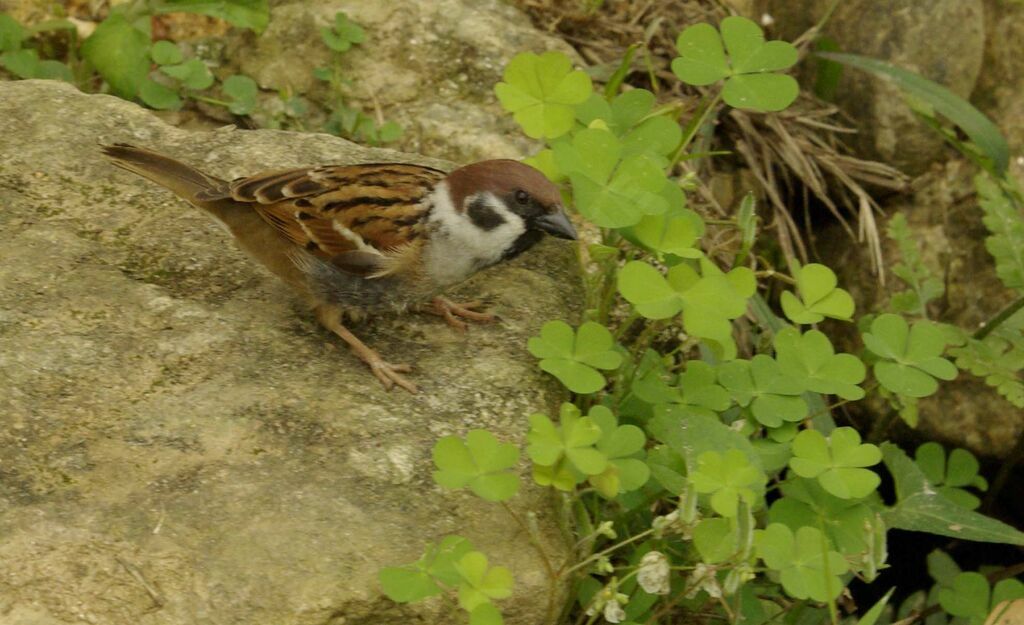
x: 342, y: 213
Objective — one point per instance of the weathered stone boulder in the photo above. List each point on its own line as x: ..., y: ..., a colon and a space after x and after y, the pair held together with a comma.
x: 431, y: 66
x: 943, y: 40
x: 181, y: 442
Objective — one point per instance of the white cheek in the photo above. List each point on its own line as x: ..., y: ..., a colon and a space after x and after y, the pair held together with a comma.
x: 459, y: 247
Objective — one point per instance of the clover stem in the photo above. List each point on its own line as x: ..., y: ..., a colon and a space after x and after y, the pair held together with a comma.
x: 881, y: 426
x: 545, y: 560
x: 989, y: 326
x: 692, y: 128
x: 626, y: 324
x: 829, y: 575
x: 209, y: 100
x: 596, y: 556
x: 646, y: 335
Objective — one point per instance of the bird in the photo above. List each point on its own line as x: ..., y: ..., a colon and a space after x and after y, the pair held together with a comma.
x: 372, y: 238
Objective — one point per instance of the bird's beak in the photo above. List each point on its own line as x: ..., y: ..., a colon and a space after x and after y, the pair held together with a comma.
x: 556, y: 224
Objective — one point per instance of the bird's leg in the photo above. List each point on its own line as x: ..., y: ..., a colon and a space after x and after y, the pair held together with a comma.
x: 451, y: 311
x: 389, y: 374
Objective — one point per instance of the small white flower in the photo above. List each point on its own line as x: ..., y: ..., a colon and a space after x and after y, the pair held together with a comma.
x: 613, y: 612
x: 653, y: 573
x: 663, y: 524
x: 767, y: 20
x: 703, y: 578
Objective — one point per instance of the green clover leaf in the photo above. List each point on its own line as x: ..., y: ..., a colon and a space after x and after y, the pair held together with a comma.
x: 11, y: 33
x: 807, y: 568
x: 479, y: 583
x: 950, y: 477
x: 709, y: 301
x: 969, y: 596
x: 810, y: 357
x: 675, y: 232
x: 420, y: 579
x: 485, y: 614
x: 911, y: 357
x: 623, y: 446
x: 836, y: 462
x: 715, y: 539
x: 774, y: 396
x: 629, y: 117
x: 574, y: 357
x: 806, y: 503
x: 611, y: 189
x: 118, y: 50
x: 242, y: 91
x: 729, y: 478
x: 819, y: 296
x: 541, y: 92
x: 193, y: 74
x: 563, y: 455
x: 165, y: 52
x: 158, y: 96
x: 749, y: 72
x: 480, y: 462
x: 699, y: 393
x: 25, y: 63
x: 344, y: 33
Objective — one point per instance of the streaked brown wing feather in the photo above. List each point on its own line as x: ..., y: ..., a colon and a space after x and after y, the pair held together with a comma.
x: 331, y: 210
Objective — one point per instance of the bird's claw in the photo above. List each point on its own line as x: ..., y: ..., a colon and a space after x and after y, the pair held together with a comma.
x: 391, y: 374
x: 451, y: 311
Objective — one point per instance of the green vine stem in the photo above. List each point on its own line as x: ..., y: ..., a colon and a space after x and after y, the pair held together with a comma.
x: 989, y: 326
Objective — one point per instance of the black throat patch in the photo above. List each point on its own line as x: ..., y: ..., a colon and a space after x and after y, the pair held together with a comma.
x: 482, y: 215
x: 524, y: 242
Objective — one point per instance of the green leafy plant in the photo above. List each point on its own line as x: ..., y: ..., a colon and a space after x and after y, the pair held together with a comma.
x: 909, y: 356
x: 805, y: 569
x: 25, y: 62
x: 836, y: 462
x: 923, y: 285
x: 970, y: 596
x: 130, y: 64
x: 819, y: 297
x: 951, y: 475
x: 541, y: 91
x: 575, y: 357
x: 480, y: 462
x: 750, y: 70
x: 452, y: 566
x: 345, y: 120
x: 700, y: 457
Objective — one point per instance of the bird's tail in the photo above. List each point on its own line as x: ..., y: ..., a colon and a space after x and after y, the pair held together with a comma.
x: 188, y: 182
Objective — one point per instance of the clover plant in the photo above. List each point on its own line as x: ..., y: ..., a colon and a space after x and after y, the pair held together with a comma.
x: 699, y: 455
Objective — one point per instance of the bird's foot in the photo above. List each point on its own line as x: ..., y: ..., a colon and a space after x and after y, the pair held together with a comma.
x: 451, y: 311
x: 390, y: 374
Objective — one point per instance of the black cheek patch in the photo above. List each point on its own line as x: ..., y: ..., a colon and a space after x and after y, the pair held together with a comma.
x: 483, y: 216
x: 524, y: 242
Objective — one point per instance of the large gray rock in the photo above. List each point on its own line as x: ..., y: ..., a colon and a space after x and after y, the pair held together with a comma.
x: 431, y: 66
x: 181, y: 442
x: 943, y: 40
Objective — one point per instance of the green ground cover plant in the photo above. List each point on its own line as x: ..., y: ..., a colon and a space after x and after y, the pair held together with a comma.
x: 120, y: 57
x: 699, y: 456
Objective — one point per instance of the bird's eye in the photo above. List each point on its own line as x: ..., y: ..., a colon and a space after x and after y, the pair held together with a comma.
x: 522, y: 197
